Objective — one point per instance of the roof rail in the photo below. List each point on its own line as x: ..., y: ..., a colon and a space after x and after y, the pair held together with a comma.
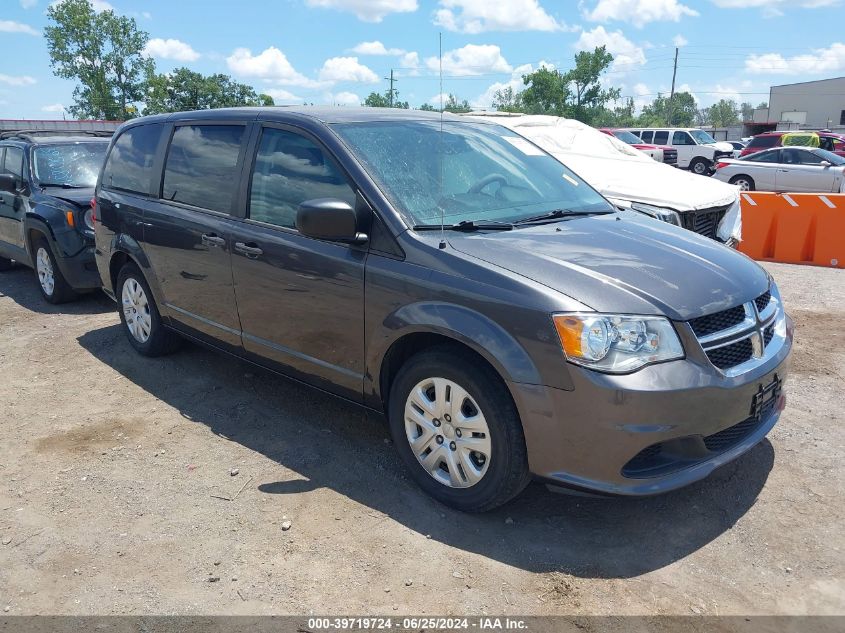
x: 28, y: 135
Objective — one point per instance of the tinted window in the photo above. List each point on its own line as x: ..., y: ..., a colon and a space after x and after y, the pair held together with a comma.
x: 130, y: 162
x: 647, y: 136
x: 682, y: 138
x: 13, y: 163
x: 764, y: 157
x: 661, y: 138
x: 290, y: 169
x: 200, y: 168
x: 759, y: 142
x: 808, y: 158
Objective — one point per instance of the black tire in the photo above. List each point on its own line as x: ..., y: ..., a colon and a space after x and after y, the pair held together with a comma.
x: 700, y: 166
x: 507, y: 472
x: 60, y: 290
x: 5, y: 264
x: 161, y: 340
x: 736, y: 180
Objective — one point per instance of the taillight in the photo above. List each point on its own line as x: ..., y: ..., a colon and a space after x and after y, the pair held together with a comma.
x: 720, y: 165
x: 93, y: 210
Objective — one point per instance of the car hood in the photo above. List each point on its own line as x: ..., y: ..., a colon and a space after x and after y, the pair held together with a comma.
x: 650, y: 182
x: 625, y: 263
x: 79, y: 197
x: 721, y: 146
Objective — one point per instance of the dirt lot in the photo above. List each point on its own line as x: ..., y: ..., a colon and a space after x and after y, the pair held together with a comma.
x: 110, y: 463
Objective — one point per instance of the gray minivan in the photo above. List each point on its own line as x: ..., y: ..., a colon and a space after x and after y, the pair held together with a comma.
x: 502, y: 315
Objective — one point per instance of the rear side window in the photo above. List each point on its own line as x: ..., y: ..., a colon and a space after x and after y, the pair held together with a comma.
x: 200, y: 168
x: 13, y: 163
x: 130, y: 162
x: 647, y: 136
x: 771, y: 156
x: 682, y: 138
x: 290, y: 169
x: 661, y: 138
x: 760, y: 142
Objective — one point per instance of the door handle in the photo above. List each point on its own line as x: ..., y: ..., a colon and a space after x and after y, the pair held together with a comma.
x: 250, y: 250
x: 211, y: 239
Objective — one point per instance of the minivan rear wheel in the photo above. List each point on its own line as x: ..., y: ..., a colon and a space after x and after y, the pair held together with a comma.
x: 458, y: 431
x: 140, y: 316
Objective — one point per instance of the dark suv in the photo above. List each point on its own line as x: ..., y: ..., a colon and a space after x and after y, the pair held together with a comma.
x: 46, y: 186
x: 506, y: 319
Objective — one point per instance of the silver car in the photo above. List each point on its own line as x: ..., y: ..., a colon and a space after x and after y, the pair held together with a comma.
x: 792, y: 169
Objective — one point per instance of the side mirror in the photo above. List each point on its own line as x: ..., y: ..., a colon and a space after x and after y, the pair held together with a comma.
x: 8, y: 183
x: 825, y: 163
x: 329, y: 219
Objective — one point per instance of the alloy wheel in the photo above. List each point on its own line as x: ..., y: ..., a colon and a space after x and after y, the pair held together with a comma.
x: 44, y: 268
x: 447, y: 432
x: 136, y: 310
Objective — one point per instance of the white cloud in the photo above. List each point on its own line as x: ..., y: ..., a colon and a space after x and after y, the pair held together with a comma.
x: 679, y: 40
x: 472, y: 59
x: 376, y: 48
x: 23, y: 80
x: 367, y: 10
x: 439, y: 98
x: 8, y: 26
x: 820, y: 61
x: 270, y: 64
x: 170, y: 49
x: 338, y: 69
x: 346, y: 99
x: 281, y: 96
x: 56, y: 107
x: 626, y: 54
x: 639, y: 12
x: 772, y: 8
x: 28, y: 4
x: 478, y: 16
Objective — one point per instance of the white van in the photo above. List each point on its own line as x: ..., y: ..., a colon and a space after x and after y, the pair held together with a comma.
x: 697, y: 150
x: 630, y: 179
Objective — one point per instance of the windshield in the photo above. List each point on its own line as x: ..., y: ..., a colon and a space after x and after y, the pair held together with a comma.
x: 468, y: 171
x: 701, y: 137
x: 627, y: 137
x: 73, y: 164
x: 833, y: 159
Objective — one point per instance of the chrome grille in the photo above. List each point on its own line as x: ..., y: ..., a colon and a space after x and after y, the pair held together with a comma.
x: 704, y: 221
x: 702, y: 326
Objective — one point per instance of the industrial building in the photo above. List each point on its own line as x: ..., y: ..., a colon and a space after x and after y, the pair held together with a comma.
x: 808, y: 105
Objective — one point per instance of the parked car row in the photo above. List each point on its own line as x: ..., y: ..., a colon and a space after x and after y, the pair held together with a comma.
x: 453, y: 275
x: 788, y: 169
x: 697, y: 150
x: 660, y: 153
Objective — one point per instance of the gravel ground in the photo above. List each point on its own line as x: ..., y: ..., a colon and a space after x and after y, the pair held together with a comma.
x: 117, y: 494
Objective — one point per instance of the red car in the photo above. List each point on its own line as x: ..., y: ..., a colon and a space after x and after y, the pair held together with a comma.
x: 669, y: 154
x: 828, y: 140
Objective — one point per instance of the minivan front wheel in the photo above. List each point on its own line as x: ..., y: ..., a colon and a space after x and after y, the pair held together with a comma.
x: 700, y: 166
x: 140, y: 316
x: 458, y: 431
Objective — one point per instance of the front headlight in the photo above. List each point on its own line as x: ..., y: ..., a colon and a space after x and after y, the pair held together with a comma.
x: 88, y: 218
x: 667, y: 215
x: 616, y: 343
x: 730, y: 227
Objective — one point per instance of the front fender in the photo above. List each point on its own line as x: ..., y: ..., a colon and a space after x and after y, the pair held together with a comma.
x: 52, y: 223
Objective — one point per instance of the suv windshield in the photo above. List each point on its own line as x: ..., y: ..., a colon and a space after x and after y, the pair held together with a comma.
x: 627, y: 137
x: 69, y: 165
x: 467, y: 171
x: 701, y: 137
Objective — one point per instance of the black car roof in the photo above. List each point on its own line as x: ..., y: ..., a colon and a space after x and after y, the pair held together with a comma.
x: 53, y: 140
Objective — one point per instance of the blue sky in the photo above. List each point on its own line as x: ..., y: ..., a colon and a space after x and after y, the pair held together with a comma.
x: 338, y: 51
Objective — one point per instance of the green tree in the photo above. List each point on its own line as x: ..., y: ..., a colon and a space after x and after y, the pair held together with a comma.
x: 379, y: 100
x: 547, y: 92
x: 746, y: 110
x: 619, y: 116
x: 428, y: 107
x: 680, y: 112
x: 589, y: 98
x: 507, y: 100
x: 104, y: 53
x: 453, y: 105
x: 184, y: 89
x: 723, y: 113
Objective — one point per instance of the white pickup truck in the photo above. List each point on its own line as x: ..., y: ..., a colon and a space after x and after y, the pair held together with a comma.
x: 697, y: 150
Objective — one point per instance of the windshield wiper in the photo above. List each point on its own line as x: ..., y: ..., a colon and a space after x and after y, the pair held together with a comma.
x: 62, y: 185
x: 556, y: 214
x: 467, y: 225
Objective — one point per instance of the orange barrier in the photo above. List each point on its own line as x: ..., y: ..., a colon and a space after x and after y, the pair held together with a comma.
x: 794, y: 228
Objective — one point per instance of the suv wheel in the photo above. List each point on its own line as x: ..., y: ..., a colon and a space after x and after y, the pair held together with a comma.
x: 700, y: 166
x: 458, y: 431
x: 5, y: 264
x: 745, y: 183
x: 53, y: 285
x: 140, y: 316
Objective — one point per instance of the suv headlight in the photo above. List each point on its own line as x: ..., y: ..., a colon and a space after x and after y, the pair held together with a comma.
x: 617, y: 343
x: 667, y: 215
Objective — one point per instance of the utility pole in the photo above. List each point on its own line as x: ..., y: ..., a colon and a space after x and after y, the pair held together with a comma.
x: 672, y: 94
x: 391, y: 92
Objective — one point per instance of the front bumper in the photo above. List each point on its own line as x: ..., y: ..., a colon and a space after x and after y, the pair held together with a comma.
x: 80, y: 270
x: 588, y: 437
